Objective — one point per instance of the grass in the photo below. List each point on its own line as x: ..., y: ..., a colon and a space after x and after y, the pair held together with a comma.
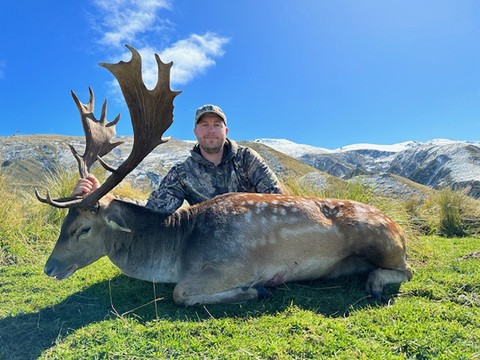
x: 340, y: 190
x: 100, y: 314
x: 447, y: 212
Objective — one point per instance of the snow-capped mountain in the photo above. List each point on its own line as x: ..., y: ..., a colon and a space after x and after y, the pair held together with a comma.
x: 436, y: 163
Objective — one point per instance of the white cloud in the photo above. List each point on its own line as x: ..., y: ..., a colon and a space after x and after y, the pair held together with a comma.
x: 191, y: 57
x: 124, y: 20
x: 136, y: 22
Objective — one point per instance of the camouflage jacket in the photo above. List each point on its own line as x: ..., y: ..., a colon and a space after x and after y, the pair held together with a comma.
x: 197, y: 179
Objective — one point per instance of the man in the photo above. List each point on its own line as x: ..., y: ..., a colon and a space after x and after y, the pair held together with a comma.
x: 217, y: 165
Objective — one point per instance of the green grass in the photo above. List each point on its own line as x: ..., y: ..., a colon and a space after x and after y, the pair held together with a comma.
x: 446, y: 212
x: 100, y: 314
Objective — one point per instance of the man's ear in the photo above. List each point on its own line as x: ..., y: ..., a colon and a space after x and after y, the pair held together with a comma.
x: 115, y: 221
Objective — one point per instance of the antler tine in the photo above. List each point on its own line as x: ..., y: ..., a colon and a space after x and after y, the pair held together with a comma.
x: 151, y: 112
x: 150, y: 116
x: 62, y: 203
x: 98, y: 133
x: 98, y: 139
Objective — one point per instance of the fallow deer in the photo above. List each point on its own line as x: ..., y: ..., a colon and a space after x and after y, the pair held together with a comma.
x: 231, y: 248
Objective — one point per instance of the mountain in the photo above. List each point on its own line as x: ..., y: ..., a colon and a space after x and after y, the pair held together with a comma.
x: 29, y: 159
x: 436, y: 163
x: 394, y: 170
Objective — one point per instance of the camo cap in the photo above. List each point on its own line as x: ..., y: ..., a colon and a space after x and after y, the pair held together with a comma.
x: 214, y: 109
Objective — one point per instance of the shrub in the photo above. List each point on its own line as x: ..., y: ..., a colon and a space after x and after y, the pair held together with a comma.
x: 447, y: 211
x: 450, y: 223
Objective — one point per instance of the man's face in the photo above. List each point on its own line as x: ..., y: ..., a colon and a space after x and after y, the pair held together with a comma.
x: 211, y: 133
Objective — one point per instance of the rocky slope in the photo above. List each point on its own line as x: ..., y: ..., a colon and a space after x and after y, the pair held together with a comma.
x: 29, y: 159
x: 437, y: 163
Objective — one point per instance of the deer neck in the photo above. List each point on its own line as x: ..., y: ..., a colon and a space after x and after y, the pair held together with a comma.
x: 152, y: 250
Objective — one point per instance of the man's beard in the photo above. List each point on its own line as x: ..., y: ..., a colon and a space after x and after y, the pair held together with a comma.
x: 211, y: 147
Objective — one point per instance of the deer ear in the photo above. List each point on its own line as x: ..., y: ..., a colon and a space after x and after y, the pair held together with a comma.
x: 116, y: 222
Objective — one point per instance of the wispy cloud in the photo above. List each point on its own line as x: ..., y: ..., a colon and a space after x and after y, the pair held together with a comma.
x: 137, y: 22
x: 124, y: 20
x: 191, y: 57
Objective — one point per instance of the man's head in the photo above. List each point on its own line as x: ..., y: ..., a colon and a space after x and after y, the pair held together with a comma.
x: 209, y: 109
x: 210, y: 128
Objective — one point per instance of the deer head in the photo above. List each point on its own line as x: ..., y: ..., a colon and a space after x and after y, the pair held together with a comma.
x: 151, y: 113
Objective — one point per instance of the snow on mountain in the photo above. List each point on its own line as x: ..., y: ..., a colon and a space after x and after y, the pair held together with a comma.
x: 290, y: 148
x: 381, y: 148
x: 298, y: 150
x: 439, y: 164
x: 27, y: 156
x: 436, y: 163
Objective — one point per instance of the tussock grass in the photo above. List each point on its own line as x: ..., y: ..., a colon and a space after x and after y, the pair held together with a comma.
x: 26, y: 228
x: 447, y: 212
x: 450, y: 224
x: 11, y: 221
x: 126, y: 190
x: 339, y: 190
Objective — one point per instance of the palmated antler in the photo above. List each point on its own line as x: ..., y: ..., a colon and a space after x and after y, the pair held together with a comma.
x: 98, y: 134
x: 151, y: 112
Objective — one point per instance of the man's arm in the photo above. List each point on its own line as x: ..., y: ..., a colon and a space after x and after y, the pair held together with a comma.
x: 169, y: 195
x: 166, y: 199
x: 260, y: 175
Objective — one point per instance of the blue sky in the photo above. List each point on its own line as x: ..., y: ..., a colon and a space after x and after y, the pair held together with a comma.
x: 318, y: 72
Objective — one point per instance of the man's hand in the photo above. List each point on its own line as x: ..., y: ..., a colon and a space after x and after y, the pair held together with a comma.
x: 86, y: 186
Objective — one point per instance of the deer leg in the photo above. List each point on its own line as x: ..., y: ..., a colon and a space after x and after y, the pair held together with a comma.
x: 213, y: 285
x: 381, y: 277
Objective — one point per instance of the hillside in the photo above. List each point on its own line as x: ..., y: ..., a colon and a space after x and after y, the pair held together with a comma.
x: 437, y: 163
x: 386, y: 184
x: 28, y: 160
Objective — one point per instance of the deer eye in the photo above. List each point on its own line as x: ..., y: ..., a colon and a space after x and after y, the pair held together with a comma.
x: 84, y: 231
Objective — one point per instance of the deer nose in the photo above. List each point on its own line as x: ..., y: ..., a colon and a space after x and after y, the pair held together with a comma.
x: 48, y: 269
x: 51, y: 267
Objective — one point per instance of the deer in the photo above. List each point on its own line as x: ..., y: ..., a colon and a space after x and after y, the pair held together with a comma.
x: 232, y: 248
